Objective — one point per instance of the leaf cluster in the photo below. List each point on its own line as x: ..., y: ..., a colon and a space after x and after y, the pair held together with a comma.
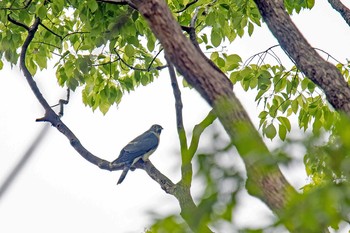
x: 283, y: 93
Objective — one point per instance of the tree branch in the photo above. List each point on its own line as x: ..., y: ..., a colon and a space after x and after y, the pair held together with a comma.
x: 140, y: 69
x: 198, y: 130
x: 178, y: 106
x: 26, y: 5
x: 63, y: 102
x: 17, y: 23
x: 119, y: 2
x: 319, y: 71
x: 50, y: 115
x: 165, y: 183
x: 186, y: 158
x: 187, y: 6
x: 342, y: 9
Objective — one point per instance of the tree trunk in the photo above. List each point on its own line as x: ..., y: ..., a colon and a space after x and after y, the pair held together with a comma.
x: 266, y: 183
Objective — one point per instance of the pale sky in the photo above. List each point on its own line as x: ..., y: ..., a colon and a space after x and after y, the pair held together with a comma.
x: 58, y: 191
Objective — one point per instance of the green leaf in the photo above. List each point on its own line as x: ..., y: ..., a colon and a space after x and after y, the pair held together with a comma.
x: 215, y: 38
x: 129, y: 50
x: 282, y: 132
x: 295, y: 106
x: 285, y: 122
x: 250, y: 28
x: 263, y: 114
x: 92, y: 4
x: 270, y: 131
x: 42, y: 12
x: 150, y: 43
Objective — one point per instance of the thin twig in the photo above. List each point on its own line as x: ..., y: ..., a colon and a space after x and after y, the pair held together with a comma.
x: 154, y: 58
x: 140, y: 69
x: 178, y: 106
x: 62, y: 102
x: 119, y: 2
x: 187, y: 6
x: 52, y: 32
x: 26, y: 5
x: 193, y: 38
x: 17, y: 23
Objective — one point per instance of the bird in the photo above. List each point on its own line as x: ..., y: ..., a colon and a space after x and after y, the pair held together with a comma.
x: 139, y: 148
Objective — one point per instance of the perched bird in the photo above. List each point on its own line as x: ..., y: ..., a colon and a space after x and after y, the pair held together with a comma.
x: 139, y: 148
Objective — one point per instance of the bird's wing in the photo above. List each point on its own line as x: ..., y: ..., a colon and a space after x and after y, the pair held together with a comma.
x: 138, y: 147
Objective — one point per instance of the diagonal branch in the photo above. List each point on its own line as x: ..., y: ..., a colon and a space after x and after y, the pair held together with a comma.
x: 50, y: 115
x: 342, y: 9
x: 198, y: 130
x: 267, y: 184
x: 119, y: 2
x: 178, y: 106
x: 187, y: 6
x: 17, y: 23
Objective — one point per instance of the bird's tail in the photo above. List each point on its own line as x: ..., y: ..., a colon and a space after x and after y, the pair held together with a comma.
x: 122, y: 176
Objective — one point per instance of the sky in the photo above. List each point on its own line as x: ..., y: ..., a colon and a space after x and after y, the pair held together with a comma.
x: 58, y: 191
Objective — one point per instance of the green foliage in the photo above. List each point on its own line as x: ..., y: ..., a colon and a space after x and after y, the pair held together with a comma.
x: 283, y: 93
x: 171, y: 224
x: 297, y: 5
x: 97, y: 45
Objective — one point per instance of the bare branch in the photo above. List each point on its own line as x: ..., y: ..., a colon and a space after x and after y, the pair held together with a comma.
x: 17, y: 23
x: 193, y: 37
x: 26, y: 5
x: 154, y: 58
x: 178, y: 106
x: 119, y: 2
x: 165, y: 183
x: 50, y: 115
x: 52, y: 32
x: 342, y: 9
x: 62, y: 102
x: 140, y: 69
x: 187, y: 6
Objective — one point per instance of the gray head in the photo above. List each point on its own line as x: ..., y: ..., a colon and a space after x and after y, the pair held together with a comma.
x: 156, y: 128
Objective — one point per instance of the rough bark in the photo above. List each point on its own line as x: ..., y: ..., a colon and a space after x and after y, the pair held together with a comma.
x: 318, y: 70
x: 216, y: 89
x: 342, y: 9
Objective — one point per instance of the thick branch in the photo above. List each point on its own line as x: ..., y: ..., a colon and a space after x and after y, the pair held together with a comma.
x: 165, y: 183
x: 342, y: 9
x: 216, y: 89
x: 321, y: 72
